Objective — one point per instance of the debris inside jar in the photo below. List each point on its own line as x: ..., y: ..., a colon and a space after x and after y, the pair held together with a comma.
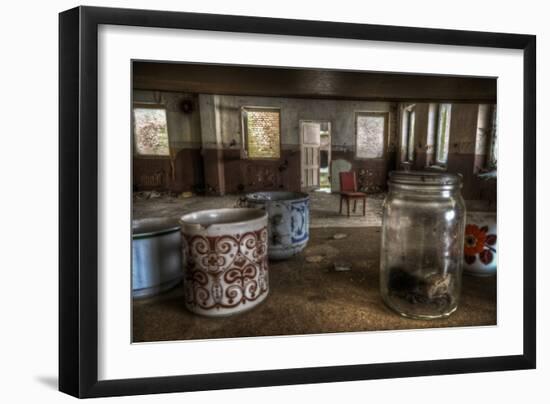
x: 434, y: 291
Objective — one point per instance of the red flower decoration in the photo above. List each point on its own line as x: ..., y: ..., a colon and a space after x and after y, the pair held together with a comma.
x: 486, y: 256
x: 470, y: 259
x: 491, y: 239
x: 477, y: 241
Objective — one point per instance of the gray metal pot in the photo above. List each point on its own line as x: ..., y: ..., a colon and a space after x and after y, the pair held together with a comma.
x: 156, y: 256
x: 288, y: 221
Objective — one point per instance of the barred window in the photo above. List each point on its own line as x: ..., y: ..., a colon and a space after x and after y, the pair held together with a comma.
x: 371, y: 130
x: 262, y: 132
x: 150, y: 131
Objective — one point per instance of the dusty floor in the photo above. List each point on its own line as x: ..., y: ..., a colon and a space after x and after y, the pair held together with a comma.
x: 309, y: 298
x: 323, y: 208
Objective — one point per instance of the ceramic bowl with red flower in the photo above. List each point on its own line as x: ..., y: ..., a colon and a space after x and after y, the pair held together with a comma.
x: 480, y: 243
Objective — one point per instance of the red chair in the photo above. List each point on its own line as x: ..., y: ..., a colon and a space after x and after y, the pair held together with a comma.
x: 348, y: 191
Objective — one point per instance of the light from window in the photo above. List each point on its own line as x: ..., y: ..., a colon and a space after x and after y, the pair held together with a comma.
x: 407, y: 133
x: 262, y: 132
x: 443, y: 132
x: 493, y: 144
x: 410, y: 146
x: 371, y: 133
x: 150, y: 132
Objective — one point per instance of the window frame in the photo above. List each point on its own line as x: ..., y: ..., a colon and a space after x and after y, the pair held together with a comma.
x: 145, y: 105
x: 244, y: 130
x: 491, y: 158
x: 408, y: 152
x: 386, y: 116
x: 437, y: 137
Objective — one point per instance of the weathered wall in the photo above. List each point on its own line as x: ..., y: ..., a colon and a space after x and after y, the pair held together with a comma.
x: 339, y: 113
x: 206, y: 144
x: 466, y: 155
x: 183, y: 169
x: 284, y: 173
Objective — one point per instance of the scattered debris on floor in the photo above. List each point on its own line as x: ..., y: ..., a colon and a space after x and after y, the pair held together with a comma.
x: 138, y: 196
x: 323, y: 208
x: 324, y: 250
x: 313, y: 259
x: 339, y: 236
x: 342, y: 266
x: 240, y: 202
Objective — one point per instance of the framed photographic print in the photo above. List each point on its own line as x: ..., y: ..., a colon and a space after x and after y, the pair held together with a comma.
x: 252, y: 201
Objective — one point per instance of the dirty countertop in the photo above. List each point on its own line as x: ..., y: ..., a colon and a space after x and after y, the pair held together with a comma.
x: 309, y: 297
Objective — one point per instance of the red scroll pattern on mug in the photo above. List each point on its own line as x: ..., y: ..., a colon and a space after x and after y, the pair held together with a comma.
x: 225, y: 271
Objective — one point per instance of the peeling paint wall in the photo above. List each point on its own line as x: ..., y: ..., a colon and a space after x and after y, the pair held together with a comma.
x: 463, y: 129
x: 183, y: 169
x: 207, y: 143
x: 341, y: 114
x: 284, y: 173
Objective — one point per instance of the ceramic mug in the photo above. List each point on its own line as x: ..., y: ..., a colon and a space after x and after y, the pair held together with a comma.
x: 288, y: 214
x: 480, y: 243
x: 225, y: 260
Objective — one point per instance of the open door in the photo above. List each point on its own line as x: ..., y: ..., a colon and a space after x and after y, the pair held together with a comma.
x: 310, y: 150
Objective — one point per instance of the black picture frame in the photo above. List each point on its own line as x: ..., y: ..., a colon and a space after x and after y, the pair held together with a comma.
x: 78, y: 201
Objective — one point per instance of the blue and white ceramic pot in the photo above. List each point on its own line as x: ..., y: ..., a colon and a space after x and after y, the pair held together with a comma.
x: 288, y: 214
x: 480, y: 243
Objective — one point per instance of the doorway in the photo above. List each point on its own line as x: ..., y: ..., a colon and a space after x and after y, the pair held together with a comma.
x: 315, y: 148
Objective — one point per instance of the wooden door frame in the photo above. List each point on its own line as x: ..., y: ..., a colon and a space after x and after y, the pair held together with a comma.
x: 300, y: 144
x: 329, y: 155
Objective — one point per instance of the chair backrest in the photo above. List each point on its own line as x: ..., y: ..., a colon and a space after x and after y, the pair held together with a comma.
x: 348, y: 181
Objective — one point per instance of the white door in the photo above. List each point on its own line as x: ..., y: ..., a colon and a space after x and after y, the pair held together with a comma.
x: 310, y: 147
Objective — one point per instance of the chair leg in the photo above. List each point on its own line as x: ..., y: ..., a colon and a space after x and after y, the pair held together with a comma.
x: 347, y: 203
x: 364, y: 206
x: 354, y: 205
x: 341, y: 200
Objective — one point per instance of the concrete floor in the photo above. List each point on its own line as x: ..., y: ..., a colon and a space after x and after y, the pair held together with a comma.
x: 323, y: 208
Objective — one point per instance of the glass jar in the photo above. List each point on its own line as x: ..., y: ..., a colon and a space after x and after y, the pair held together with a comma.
x: 422, y: 244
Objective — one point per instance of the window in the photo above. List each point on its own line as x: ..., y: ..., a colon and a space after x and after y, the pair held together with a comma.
x: 493, y: 144
x: 442, y: 134
x: 371, y: 130
x: 262, y: 132
x: 407, y: 131
x: 150, y: 131
x: 486, y: 139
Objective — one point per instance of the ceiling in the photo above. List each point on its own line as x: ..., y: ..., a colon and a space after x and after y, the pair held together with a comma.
x: 310, y: 83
